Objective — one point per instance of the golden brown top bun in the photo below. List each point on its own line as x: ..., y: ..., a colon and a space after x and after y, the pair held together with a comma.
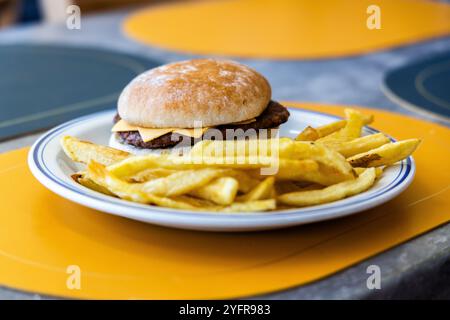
x: 178, y: 94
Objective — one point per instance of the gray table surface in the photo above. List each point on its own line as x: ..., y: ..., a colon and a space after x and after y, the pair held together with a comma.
x: 419, y: 268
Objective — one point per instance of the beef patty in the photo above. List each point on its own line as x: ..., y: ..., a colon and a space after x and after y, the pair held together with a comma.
x: 274, y: 115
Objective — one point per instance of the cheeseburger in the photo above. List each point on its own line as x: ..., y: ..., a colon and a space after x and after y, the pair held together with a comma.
x: 183, y: 100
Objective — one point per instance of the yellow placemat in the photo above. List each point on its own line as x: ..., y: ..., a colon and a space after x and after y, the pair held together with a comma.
x: 287, y: 29
x: 41, y: 235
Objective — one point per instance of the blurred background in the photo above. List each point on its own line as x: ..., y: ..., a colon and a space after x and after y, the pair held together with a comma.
x: 25, y: 11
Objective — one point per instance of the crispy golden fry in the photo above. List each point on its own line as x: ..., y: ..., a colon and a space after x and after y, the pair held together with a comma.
x: 385, y: 155
x: 358, y: 145
x: 308, y: 134
x: 351, y: 130
x: 221, y: 191
x: 82, y: 179
x: 136, y: 164
x: 331, y: 193
x: 264, y: 190
x: 354, y: 125
x: 84, y: 151
x: 149, y: 174
x: 378, y: 171
x: 328, y: 129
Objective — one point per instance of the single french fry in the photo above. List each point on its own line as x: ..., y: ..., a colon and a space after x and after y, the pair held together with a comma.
x: 385, y: 155
x: 308, y: 134
x: 358, y: 145
x: 82, y: 179
x: 84, y: 151
x: 331, y: 193
x: 378, y: 171
x: 149, y: 174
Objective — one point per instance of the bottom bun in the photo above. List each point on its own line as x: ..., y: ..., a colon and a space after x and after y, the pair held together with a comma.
x: 115, y: 143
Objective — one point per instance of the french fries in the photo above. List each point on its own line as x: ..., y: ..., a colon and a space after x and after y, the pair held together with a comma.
x: 321, y: 165
x: 285, y: 149
x: 245, y: 180
x: 151, y: 173
x: 326, y: 156
x: 132, y: 165
x: 264, y: 190
x: 84, y: 152
x: 385, y: 155
x: 312, y: 134
x: 138, y: 193
x: 358, y: 145
x: 220, y: 191
x: 331, y: 193
x: 378, y: 171
x: 82, y: 179
x: 351, y: 130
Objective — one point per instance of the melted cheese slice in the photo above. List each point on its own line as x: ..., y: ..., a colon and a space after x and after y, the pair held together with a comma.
x: 123, y: 126
x: 194, y: 132
x: 149, y: 134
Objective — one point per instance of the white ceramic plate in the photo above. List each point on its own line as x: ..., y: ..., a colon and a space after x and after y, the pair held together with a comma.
x: 53, y: 168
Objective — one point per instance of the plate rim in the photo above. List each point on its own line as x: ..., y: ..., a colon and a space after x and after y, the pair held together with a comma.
x: 208, y: 220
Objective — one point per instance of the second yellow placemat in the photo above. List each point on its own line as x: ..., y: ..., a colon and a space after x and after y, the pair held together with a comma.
x: 288, y: 29
x: 45, y: 239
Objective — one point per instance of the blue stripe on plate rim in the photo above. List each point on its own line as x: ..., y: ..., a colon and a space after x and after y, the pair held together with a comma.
x: 39, y: 147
